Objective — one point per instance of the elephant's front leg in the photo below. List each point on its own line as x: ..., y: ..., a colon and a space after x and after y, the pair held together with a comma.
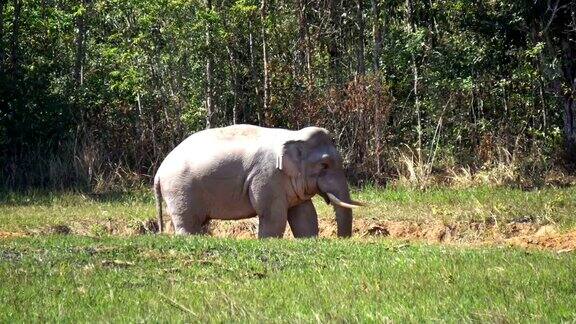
x: 272, y: 220
x: 303, y: 220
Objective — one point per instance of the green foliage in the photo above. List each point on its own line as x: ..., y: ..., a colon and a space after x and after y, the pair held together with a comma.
x: 114, y: 85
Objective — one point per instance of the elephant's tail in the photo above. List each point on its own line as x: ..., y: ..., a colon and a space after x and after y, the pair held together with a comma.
x: 158, y: 195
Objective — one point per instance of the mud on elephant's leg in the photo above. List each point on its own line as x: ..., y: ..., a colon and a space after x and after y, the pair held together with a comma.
x: 303, y: 220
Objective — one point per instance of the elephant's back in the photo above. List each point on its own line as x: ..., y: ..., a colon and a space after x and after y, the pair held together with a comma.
x: 242, y: 134
x: 218, y: 150
x: 234, y: 135
x: 226, y: 151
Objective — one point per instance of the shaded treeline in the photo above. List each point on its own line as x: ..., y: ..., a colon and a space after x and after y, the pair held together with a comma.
x: 95, y: 92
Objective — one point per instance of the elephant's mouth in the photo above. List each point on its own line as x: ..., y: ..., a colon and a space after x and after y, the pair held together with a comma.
x: 326, y: 199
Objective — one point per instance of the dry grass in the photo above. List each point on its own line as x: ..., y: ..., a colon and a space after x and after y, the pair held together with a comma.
x: 504, y: 168
x: 503, y: 171
x: 412, y: 171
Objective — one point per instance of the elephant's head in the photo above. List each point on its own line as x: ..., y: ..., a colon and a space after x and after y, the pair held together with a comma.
x: 314, y: 166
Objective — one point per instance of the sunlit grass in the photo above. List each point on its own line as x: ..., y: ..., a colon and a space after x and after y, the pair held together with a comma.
x: 20, y: 212
x: 161, y: 278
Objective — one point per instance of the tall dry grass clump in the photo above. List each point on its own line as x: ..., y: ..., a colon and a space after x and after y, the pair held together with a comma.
x: 412, y: 171
x: 504, y: 170
x: 357, y: 114
x: 72, y: 165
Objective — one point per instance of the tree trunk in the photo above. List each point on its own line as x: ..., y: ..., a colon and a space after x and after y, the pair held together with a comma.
x: 333, y: 49
x: 266, y: 85
x: 302, y: 29
x: 2, y: 4
x: 303, y: 55
x: 210, y: 107
x: 308, y: 55
x: 80, y: 50
x: 377, y: 38
x: 557, y: 20
x: 360, y: 66
x: 235, y: 83
x: 255, y: 79
x: 570, y: 127
x: 14, y: 41
x: 410, y: 7
x: 569, y: 96
x: 432, y: 24
x: 377, y: 35
x: 536, y: 37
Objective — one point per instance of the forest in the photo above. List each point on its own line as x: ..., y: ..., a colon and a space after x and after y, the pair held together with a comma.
x: 95, y: 93
x: 455, y: 121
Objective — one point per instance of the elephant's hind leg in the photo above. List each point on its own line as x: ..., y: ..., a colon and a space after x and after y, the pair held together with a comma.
x: 303, y: 220
x: 189, y: 224
x: 186, y: 217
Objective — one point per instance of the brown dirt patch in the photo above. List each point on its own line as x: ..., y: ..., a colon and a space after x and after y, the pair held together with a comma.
x: 11, y: 234
x: 558, y: 242
x: 524, y: 234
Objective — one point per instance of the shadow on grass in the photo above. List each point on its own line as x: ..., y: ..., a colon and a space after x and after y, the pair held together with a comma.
x: 48, y: 197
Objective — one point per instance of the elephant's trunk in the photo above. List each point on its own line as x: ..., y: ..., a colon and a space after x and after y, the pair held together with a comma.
x: 344, y: 221
x: 343, y: 211
x: 334, y: 188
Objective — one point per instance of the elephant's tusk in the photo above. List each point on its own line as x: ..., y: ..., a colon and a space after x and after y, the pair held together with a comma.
x: 340, y: 203
x: 358, y: 203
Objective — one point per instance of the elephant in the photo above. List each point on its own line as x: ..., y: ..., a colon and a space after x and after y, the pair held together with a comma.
x: 243, y: 171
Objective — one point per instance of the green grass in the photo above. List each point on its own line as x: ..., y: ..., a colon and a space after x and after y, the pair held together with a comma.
x: 22, y: 212
x: 19, y: 212
x: 101, y: 278
x: 152, y: 278
x: 545, y: 206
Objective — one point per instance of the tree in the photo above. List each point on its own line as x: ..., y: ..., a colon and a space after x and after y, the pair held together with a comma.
x: 333, y: 41
x: 210, y: 107
x: 360, y: 64
x: 80, y: 36
x: 266, y: 72
x: 14, y: 55
x: 105, y: 88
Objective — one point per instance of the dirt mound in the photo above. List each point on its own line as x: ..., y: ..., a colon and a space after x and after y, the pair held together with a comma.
x: 558, y: 242
x: 247, y: 228
x: 11, y: 234
x: 523, y: 233
x: 435, y: 232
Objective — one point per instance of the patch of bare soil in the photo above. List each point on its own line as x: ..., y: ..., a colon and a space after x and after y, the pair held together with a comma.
x: 11, y: 234
x: 558, y: 242
x: 525, y: 234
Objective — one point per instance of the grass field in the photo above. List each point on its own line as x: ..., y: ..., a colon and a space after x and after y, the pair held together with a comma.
x: 20, y: 212
x: 101, y: 277
x: 57, y: 278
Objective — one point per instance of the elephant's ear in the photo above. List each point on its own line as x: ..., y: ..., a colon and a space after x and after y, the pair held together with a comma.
x: 290, y: 158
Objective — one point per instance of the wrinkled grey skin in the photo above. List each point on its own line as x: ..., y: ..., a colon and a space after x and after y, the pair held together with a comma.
x: 242, y: 171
